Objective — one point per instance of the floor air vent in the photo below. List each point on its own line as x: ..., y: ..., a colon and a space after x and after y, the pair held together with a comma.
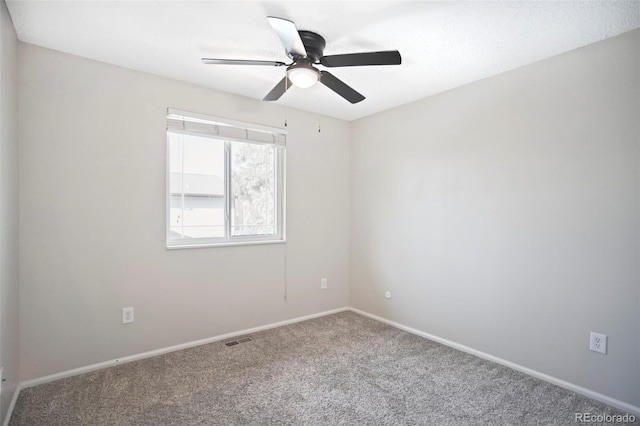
x: 238, y: 341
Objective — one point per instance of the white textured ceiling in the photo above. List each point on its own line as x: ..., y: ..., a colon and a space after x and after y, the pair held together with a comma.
x: 443, y: 44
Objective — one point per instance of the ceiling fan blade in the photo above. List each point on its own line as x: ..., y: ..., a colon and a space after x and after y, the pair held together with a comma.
x: 387, y: 57
x: 340, y: 87
x: 288, y: 33
x: 278, y: 90
x: 213, y: 61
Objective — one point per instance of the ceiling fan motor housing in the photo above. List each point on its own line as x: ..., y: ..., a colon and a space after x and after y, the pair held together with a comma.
x: 314, y: 45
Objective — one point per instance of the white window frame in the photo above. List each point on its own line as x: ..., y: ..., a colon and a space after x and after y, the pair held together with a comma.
x: 184, y: 122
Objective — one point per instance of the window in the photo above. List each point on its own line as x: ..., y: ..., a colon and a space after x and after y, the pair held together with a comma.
x: 225, y: 182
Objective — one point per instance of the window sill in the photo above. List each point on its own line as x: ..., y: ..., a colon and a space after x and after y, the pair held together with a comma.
x: 225, y: 244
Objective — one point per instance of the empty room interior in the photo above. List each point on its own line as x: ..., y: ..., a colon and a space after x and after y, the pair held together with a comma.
x: 310, y: 212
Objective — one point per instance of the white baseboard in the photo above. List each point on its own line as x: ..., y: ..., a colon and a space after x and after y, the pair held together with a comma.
x: 11, y: 405
x: 130, y: 358
x: 631, y: 409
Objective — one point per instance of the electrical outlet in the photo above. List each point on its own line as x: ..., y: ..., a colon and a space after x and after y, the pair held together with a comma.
x: 323, y: 284
x: 127, y: 315
x: 387, y: 295
x: 598, y: 343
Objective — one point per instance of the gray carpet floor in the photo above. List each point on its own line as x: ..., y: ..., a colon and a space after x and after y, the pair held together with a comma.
x: 342, y: 369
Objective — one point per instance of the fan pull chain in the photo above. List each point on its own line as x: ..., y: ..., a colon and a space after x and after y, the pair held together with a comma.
x: 319, y: 100
x: 286, y: 110
x: 286, y: 281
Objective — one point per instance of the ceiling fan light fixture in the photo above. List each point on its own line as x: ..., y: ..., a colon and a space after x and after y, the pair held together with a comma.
x: 303, y: 76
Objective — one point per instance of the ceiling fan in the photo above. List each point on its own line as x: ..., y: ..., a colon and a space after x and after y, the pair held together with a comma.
x: 306, y: 48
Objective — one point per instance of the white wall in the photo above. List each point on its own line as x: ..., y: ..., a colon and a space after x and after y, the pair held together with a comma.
x: 92, y: 169
x: 504, y: 215
x: 8, y: 208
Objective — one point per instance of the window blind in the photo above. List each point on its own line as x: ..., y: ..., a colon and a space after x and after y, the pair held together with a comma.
x: 202, y: 125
